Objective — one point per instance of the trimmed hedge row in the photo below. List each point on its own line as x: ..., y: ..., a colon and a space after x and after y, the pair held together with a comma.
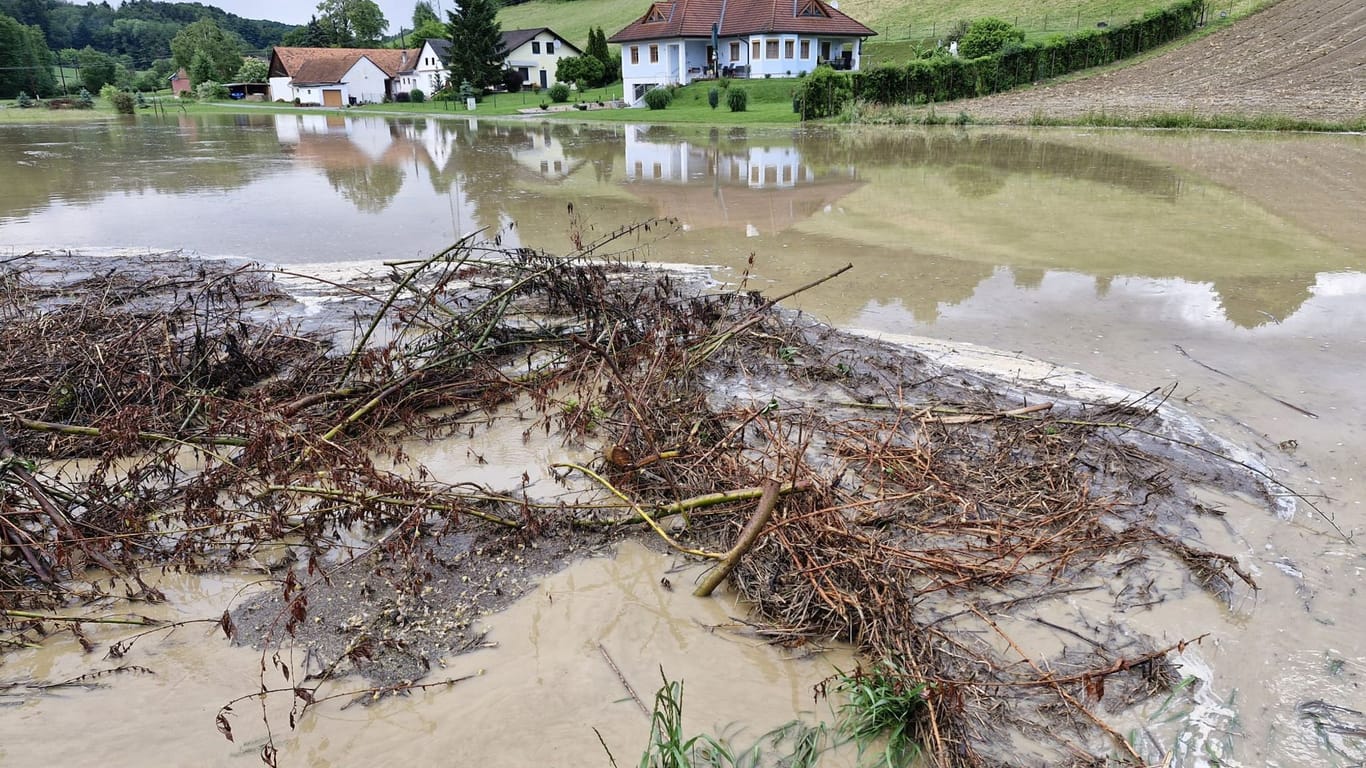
x: 944, y: 78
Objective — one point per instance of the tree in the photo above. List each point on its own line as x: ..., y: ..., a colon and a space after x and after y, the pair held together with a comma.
x: 987, y: 36
x: 582, y: 71
x: 349, y: 23
x: 310, y: 35
x: 222, y: 50
x: 253, y: 70
x: 477, y: 51
x: 25, y: 61
x: 423, y: 13
x: 97, y: 69
x: 597, y: 48
x: 429, y: 30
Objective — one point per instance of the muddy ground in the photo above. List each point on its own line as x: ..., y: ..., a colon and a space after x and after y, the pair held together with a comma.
x: 1298, y: 58
x: 173, y: 415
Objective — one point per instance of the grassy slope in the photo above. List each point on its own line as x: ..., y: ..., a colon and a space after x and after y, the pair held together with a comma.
x: 891, y: 19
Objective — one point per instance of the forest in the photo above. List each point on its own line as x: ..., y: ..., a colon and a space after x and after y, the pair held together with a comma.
x: 138, y: 29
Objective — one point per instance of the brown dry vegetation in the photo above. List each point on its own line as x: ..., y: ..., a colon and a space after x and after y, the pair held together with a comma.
x: 937, y: 518
x: 1303, y: 59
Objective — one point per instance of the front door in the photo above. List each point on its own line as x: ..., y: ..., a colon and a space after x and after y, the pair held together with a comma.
x: 544, y: 82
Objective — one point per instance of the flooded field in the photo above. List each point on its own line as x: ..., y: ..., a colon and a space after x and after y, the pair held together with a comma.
x: 1230, y: 265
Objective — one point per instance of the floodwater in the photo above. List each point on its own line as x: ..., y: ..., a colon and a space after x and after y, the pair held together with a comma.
x: 1232, y: 265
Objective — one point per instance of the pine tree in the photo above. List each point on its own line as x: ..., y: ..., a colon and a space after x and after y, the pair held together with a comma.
x: 477, y: 52
x: 597, y: 48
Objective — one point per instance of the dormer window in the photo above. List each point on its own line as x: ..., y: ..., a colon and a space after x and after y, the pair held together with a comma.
x: 812, y: 9
x: 656, y: 14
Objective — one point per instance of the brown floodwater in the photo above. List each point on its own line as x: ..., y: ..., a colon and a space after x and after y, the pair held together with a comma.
x: 1232, y: 265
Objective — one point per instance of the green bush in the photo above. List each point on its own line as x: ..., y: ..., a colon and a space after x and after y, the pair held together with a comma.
x: 558, y: 93
x: 123, y: 102
x: 417, y: 96
x: 713, y: 96
x: 107, y: 92
x: 988, y: 36
x: 944, y: 78
x: 23, y: 100
x: 209, y: 90
x: 823, y: 94
x: 658, y: 98
x: 737, y: 99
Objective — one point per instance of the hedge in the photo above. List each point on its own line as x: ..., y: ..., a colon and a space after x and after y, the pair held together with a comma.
x: 944, y: 78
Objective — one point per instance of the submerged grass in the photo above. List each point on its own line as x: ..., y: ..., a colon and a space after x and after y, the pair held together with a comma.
x: 1196, y: 121
x: 793, y: 745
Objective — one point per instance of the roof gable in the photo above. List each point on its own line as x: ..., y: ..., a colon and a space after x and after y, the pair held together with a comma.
x: 516, y: 38
x: 694, y: 18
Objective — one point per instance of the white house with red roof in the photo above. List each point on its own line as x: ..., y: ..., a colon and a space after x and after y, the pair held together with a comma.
x: 678, y: 41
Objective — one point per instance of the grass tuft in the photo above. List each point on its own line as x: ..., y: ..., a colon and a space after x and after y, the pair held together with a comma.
x: 884, y: 708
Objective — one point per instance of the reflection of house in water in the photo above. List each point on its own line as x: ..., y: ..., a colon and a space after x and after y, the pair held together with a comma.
x: 539, y: 151
x: 757, y: 188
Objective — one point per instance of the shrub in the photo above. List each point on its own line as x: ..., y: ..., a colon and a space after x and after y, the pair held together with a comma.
x: 123, y: 102
x: 23, y: 101
x: 141, y: 100
x: 512, y: 80
x: 823, y: 94
x: 657, y: 98
x: 108, y: 91
x: 85, y: 100
x: 737, y: 99
x: 417, y: 96
x: 988, y: 36
x: 210, y: 89
x: 713, y: 97
x: 558, y: 93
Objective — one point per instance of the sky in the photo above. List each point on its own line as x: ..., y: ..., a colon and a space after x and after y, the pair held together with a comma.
x: 298, y: 11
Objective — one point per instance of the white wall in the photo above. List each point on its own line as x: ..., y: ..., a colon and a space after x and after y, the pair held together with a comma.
x: 522, y: 56
x: 281, y: 89
x: 366, y: 82
x: 645, y: 72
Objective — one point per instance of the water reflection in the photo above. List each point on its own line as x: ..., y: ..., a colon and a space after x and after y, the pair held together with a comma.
x: 927, y: 217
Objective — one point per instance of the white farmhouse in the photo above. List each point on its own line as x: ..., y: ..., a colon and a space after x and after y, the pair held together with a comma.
x: 335, y: 77
x: 535, y: 53
x: 678, y: 41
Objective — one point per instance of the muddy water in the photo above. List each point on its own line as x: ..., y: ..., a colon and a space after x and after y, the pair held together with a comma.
x: 1232, y: 265
x: 532, y: 698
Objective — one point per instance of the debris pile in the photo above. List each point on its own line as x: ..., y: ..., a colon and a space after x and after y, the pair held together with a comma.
x: 985, y: 540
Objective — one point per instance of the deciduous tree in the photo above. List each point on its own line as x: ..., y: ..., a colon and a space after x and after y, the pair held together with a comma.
x: 352, y: 22
x: 222, y: 50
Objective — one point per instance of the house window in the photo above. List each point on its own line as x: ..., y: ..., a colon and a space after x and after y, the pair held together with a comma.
x: 771, y: 49
x: 654, y: 54
x: 812, y: 9
x: 754, y: 50
x: 734, y: 51
x: 787, y: 49
x: 655, y: 14
x: 806, y: 49
x: 635, y: 54
x: 549, y: 47
x: 535, y: 46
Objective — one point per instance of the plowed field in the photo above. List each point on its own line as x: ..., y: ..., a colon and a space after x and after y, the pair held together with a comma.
x: 1298, y: 58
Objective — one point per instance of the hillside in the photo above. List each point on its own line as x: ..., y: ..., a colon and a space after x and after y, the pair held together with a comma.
x: 1298, y: 58
x: 891, y: 19
x: 139, y: 29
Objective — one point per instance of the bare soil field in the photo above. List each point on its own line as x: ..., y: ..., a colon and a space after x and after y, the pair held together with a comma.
x: 1298, y: 58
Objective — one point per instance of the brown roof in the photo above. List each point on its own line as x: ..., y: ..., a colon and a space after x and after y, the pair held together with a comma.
x: 327, y: 65
x: 693, y: 18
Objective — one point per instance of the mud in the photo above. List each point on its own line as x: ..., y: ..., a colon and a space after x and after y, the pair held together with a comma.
x: 926, y: 498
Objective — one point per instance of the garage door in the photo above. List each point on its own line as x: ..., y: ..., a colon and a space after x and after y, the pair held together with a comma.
x: 332, y: 98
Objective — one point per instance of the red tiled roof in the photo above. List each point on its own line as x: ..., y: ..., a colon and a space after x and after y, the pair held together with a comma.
x: 327, y: 65
x: 693, y: 18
